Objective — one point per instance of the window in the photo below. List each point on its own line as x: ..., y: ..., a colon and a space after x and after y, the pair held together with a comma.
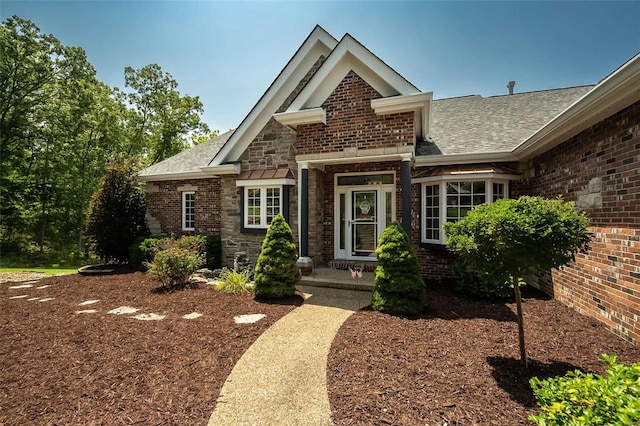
x: 262, y: 204
x: 450, y: 201
x: 188, y: 211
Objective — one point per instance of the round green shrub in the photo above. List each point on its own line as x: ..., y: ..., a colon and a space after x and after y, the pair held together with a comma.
x: 399, y: 288
x: 276, y: 273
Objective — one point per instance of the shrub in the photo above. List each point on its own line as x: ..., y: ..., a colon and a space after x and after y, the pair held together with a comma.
x: 590, y: 399
x: 213, y: 249
x: 116, y: 214
x: 399, y: 289
x: 276, y: 273
x: 176, y: 261
x: 492, y: 283
x: 233, y: 282
x: 142, y: 251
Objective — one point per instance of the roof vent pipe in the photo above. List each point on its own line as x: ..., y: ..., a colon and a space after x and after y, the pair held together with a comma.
x: 510, y: 85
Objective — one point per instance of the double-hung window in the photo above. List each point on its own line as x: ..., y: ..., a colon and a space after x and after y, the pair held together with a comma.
x: 188, y: 211
x: 449, y: 200
x: 264, y: 194
x: 262, y: 204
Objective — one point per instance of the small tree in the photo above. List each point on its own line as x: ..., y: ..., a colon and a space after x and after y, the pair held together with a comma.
x: 399, y: 289
x: 276, y: 273
x: 520, y: 236
x: 116, y: 214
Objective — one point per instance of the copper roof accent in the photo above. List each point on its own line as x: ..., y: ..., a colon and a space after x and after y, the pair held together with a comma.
x: 266, y: 174
x: 466, y: 169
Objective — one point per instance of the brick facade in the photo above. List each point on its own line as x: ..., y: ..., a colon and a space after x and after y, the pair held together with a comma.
x: 164, y: 204
x: 352, y: 123
x: 599, y: 169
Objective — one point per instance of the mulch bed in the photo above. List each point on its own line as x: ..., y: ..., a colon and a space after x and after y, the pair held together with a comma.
x: 458, y: 364
x: 59, y: 367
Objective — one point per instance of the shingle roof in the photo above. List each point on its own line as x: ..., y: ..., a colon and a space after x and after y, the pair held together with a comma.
x: 190, y: 160
x: 475, y: 124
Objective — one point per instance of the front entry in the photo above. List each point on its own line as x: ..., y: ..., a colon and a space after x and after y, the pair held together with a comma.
x: 365, y: 205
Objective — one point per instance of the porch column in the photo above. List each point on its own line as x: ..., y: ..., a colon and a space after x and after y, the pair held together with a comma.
x: 406, y: 194
x: 304, y: 210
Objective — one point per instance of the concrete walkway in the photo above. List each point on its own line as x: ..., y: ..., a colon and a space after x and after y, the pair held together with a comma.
x: 282, y: 378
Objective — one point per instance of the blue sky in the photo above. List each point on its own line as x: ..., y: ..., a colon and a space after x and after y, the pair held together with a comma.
x: 228, y: 53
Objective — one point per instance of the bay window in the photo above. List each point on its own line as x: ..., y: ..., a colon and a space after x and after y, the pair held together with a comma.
x: 450, y: 200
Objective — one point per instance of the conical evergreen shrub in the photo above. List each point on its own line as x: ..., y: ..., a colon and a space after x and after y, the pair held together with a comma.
x: 276, y: 273
x: 399, y: 288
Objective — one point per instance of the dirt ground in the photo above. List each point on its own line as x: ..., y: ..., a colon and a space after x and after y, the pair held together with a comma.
x: 458, y: 364
x: 59, y: 367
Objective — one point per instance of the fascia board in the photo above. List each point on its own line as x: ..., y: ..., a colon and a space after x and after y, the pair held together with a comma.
x: 174, y: 176
x: 449, y: 159
x: 223, y: 169
x: 319, y: 43
x: 397, y: 104
x: 298, y: 118
x: 618, y: 90
x: 466, y: 176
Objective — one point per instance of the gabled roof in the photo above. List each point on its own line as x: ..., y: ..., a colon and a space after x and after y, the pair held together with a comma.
x: 188, y: 163
x: 351, y: 55
x: 318, y: 44
x: 475, y: 124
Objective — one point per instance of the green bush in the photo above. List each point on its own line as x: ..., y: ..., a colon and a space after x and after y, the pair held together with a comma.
x: 492, y: 283
x: 142, y: 251
x: 399, y: 289
x: 590, y: 399
x: 233, y: 282
x: 213, y: 249
x: 276, y: 273
x: 176, y: 261
x: 116, y: 214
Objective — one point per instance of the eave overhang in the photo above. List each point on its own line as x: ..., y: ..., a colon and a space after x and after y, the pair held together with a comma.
x: 420, y: 103
x: 298, y: 118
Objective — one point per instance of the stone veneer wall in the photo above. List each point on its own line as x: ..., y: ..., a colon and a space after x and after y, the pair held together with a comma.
x: 599, y: 169
x: 351, y: 123
x: 164, y: 203
x: 273, y: 148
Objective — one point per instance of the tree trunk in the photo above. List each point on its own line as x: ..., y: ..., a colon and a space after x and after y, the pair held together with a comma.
x: 523, y: 352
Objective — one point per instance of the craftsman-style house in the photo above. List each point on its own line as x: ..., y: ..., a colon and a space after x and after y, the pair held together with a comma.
x: 342, y: 145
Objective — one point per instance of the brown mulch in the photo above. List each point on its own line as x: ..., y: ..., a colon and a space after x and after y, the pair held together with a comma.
x: 458, y: 364
x: 59, y: 367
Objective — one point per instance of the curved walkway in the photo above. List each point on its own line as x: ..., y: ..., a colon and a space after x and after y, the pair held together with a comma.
x: 282, y: 378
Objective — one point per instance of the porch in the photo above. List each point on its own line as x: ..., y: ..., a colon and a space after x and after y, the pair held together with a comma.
x: 324, y: 276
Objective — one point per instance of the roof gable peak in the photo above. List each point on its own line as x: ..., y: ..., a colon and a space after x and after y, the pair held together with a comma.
x: 351, y: 55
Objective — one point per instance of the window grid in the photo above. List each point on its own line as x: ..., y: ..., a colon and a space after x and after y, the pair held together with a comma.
x: 262, y: 205
x: 432, y: 212
x: 462, y: 197
x: 450, y: 201
x: 188, y: 211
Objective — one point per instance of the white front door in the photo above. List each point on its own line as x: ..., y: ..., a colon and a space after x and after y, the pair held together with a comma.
x: 362, y: 211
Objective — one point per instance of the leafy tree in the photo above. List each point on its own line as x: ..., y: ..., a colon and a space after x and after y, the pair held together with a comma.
x: 276, y: 272
x: 520, y: 236
x: 116, y: 214
x: 399, y: 289
x: 162, y: 122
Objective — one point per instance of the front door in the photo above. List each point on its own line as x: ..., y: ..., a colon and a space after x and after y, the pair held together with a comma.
x: 363, y: 221
x: 365, y: 205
